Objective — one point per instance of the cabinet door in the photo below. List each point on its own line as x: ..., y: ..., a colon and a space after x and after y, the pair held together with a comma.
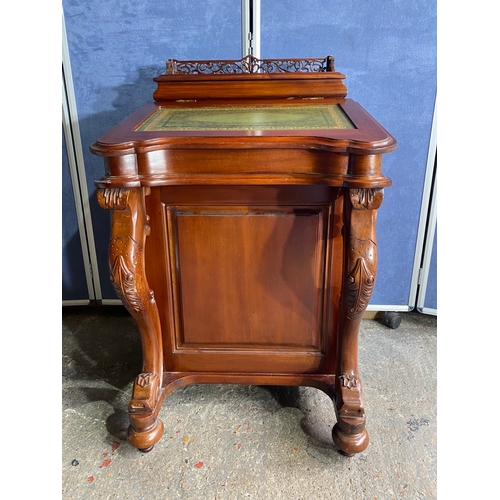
x: 388, y: 52
x: 231, y: 296
x: 115, y: 49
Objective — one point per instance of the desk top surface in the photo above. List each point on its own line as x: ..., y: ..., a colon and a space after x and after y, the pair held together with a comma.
x: 247, y: 122
x: 247, y: 118
x: 251, y: 103
x: 339, y: 125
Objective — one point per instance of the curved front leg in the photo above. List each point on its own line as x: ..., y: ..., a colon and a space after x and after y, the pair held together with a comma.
x: 360, y: 264
x: 129, y: 229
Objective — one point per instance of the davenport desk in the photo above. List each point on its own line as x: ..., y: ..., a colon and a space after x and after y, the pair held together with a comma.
x: 243, y: 205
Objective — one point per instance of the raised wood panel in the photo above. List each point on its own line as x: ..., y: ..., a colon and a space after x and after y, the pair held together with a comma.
x: 237, y: 279
x: 236, y: 286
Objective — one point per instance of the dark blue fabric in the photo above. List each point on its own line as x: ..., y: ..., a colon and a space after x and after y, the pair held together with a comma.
x: 116, y: 49
x: 430, y: 301
x: 74, y: 283
x: 387, y: 49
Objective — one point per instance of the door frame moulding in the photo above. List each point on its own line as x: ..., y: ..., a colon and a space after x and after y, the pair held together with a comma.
x: 78, y: 179
x: 426, y: 227
x: 427, y: 256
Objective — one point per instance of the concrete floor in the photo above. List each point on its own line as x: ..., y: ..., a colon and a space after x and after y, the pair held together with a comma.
x: 232, y: 442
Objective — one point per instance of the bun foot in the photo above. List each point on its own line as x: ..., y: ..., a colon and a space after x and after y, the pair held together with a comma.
x: 349, y: 444
x: 145, y: 439
x: 345, y: 454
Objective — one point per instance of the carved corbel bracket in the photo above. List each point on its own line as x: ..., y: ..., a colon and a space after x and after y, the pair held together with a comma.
x: 126, y: 249
x: 129, y: 230
x: 113, y: 198
x: 366, y: 198
x: 127, y: 264
x: 361, y: 250
x: 360, y: 265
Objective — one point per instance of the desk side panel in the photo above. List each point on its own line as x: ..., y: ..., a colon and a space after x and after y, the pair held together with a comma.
x: 250, y: 284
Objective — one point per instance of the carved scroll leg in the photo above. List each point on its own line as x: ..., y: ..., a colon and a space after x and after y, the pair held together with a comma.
x: 349, y: 433
x: 129, y: 229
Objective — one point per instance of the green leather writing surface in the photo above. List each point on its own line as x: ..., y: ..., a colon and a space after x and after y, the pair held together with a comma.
x: 314, y: 117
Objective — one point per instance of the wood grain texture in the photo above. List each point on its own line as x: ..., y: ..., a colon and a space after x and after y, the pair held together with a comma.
x: 261, y: 244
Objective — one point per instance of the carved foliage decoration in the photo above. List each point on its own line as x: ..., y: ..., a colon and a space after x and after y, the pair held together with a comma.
x: 146, y: 393
x: 125, y: 262
x: 250, y: 64
x: 349, y: 401
x: 115, y: 198
x: 360, y: 283
x: 366, y: 198
x: 126, y: 256
x: 361, y: 279
x: 349, y: 381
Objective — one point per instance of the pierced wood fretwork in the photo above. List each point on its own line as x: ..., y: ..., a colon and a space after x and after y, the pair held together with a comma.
x: 251, y: 64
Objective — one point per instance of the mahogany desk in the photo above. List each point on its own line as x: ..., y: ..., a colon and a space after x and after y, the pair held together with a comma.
x: 245, y: 196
